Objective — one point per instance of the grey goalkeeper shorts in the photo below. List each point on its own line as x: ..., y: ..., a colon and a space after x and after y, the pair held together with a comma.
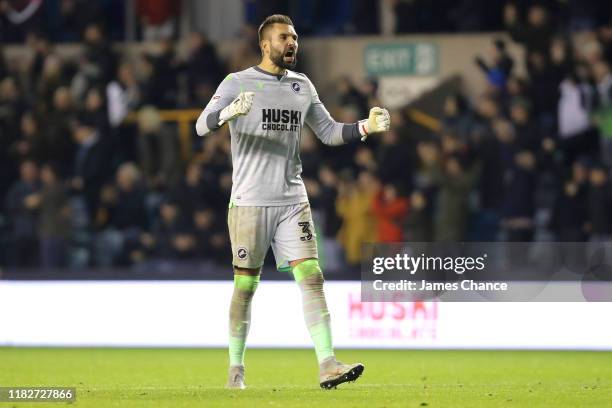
x: 288, y: 229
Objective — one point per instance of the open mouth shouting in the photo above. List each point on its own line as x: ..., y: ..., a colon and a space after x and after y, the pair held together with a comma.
x: 289, y: 56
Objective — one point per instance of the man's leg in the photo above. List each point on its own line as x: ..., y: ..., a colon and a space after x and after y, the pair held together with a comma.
x: 245, y: 284
x: 250, y: 229
x: 295, y: 246
x: 309, y: 277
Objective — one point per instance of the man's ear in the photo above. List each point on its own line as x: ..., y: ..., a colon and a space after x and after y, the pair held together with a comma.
x: 265, y: 46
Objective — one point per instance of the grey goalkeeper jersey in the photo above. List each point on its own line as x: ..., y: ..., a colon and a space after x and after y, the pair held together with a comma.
x: 265, y: 142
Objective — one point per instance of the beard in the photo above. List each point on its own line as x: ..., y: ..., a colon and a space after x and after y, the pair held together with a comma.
x: 278, y: 58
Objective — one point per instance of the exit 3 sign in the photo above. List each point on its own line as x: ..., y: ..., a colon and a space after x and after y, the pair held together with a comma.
x: 401, y: 59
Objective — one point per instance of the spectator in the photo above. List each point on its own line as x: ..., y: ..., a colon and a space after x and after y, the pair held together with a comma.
x: 487, y: 146
x: 536, y: 33
x: 160, y: 87
x: 518, y: 208
x: 158, y: 18
x: 599, y: 224
x: 54, y: 221
x: 40, y: 48
x: 122, y: 95
x: 61, y: 149
x: 349, y: 96
x: 390, y: 210
x: 191, y: 191
x: 75, y: 16
x: 11, y: 108
x: 98, y: 56
x: 501, y: 65
x: 394, y: 166
x: 605, y: 38
x: 486, y: 110
x: 309, y: 155
x: 95, y: 108
x: 364, y: 159
x: 51, y: 79
x: 91, y: 166
x: 456, y: 116
x: 452, y: 145
x: 527, y: 133
x: 171, y: 238
x: 331, y: 221
x: 544, y: 91
x: 354, y: 206
x: 31, y: 144
x: 246, y: 53
x: 419, y: 220
x: 454, y: 179
x: 121, y: 217
x: 217, y: 168
x: 603, y: 108
x: 157, y: 150
x: 576, y: 136
x: 211, y: 238
x: 570, y: 217
x: 204, y: 69
x: 21, y: 203
x: 561, y: 60
x: 516, y: 87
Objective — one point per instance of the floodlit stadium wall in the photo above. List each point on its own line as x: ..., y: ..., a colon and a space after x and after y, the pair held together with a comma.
x: 193, y: 314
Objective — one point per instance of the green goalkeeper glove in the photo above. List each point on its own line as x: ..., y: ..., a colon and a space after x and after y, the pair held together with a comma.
x: 378, y: 121
x: 239, y: 106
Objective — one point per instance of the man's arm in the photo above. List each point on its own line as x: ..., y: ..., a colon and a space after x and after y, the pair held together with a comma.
x: 226, y: 104
x: 335, y: 133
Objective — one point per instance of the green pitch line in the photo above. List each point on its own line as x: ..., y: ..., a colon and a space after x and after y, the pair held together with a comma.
x: 288, y: 378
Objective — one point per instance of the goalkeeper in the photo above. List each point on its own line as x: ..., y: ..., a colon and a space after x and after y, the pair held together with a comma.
x: 266, y: 107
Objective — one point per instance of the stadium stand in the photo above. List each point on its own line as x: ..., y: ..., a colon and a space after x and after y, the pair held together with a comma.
x: 100, y: 165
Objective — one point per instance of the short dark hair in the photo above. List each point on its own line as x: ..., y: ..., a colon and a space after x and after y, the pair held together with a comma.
x: 273, y: 19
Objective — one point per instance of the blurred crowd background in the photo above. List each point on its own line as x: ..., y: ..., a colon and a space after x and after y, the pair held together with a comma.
x: 92, y: 174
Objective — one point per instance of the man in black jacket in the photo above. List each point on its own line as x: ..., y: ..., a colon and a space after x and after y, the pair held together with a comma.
x: 90, y: 164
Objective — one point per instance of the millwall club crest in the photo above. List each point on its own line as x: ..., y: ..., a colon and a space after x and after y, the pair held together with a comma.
x: 296, y: 87
x: 242, y: 253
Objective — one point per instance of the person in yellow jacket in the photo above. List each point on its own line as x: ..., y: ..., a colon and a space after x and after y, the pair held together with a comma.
x: 354, y: 206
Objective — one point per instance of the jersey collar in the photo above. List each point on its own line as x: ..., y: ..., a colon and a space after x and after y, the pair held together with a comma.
x: 278, y: 76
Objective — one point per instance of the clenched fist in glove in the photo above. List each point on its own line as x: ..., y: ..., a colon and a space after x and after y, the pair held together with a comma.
x: 239, y: 106
x: 378, y: 121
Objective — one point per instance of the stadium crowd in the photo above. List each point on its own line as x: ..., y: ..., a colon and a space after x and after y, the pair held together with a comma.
x: 91, y: 175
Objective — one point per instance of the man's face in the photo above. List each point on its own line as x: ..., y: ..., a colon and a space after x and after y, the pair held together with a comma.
x: 281, y: 41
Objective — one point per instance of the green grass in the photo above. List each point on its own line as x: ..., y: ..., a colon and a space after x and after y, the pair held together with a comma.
x: 288, y: 378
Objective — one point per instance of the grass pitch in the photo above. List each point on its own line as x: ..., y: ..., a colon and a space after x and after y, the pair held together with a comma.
x: 288, y: 378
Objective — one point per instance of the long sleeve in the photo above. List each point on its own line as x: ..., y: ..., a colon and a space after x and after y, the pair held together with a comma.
x: 227, y: 91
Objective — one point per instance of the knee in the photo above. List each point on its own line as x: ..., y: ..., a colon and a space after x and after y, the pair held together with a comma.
x: 246, y: 284
x: 308, y: 272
